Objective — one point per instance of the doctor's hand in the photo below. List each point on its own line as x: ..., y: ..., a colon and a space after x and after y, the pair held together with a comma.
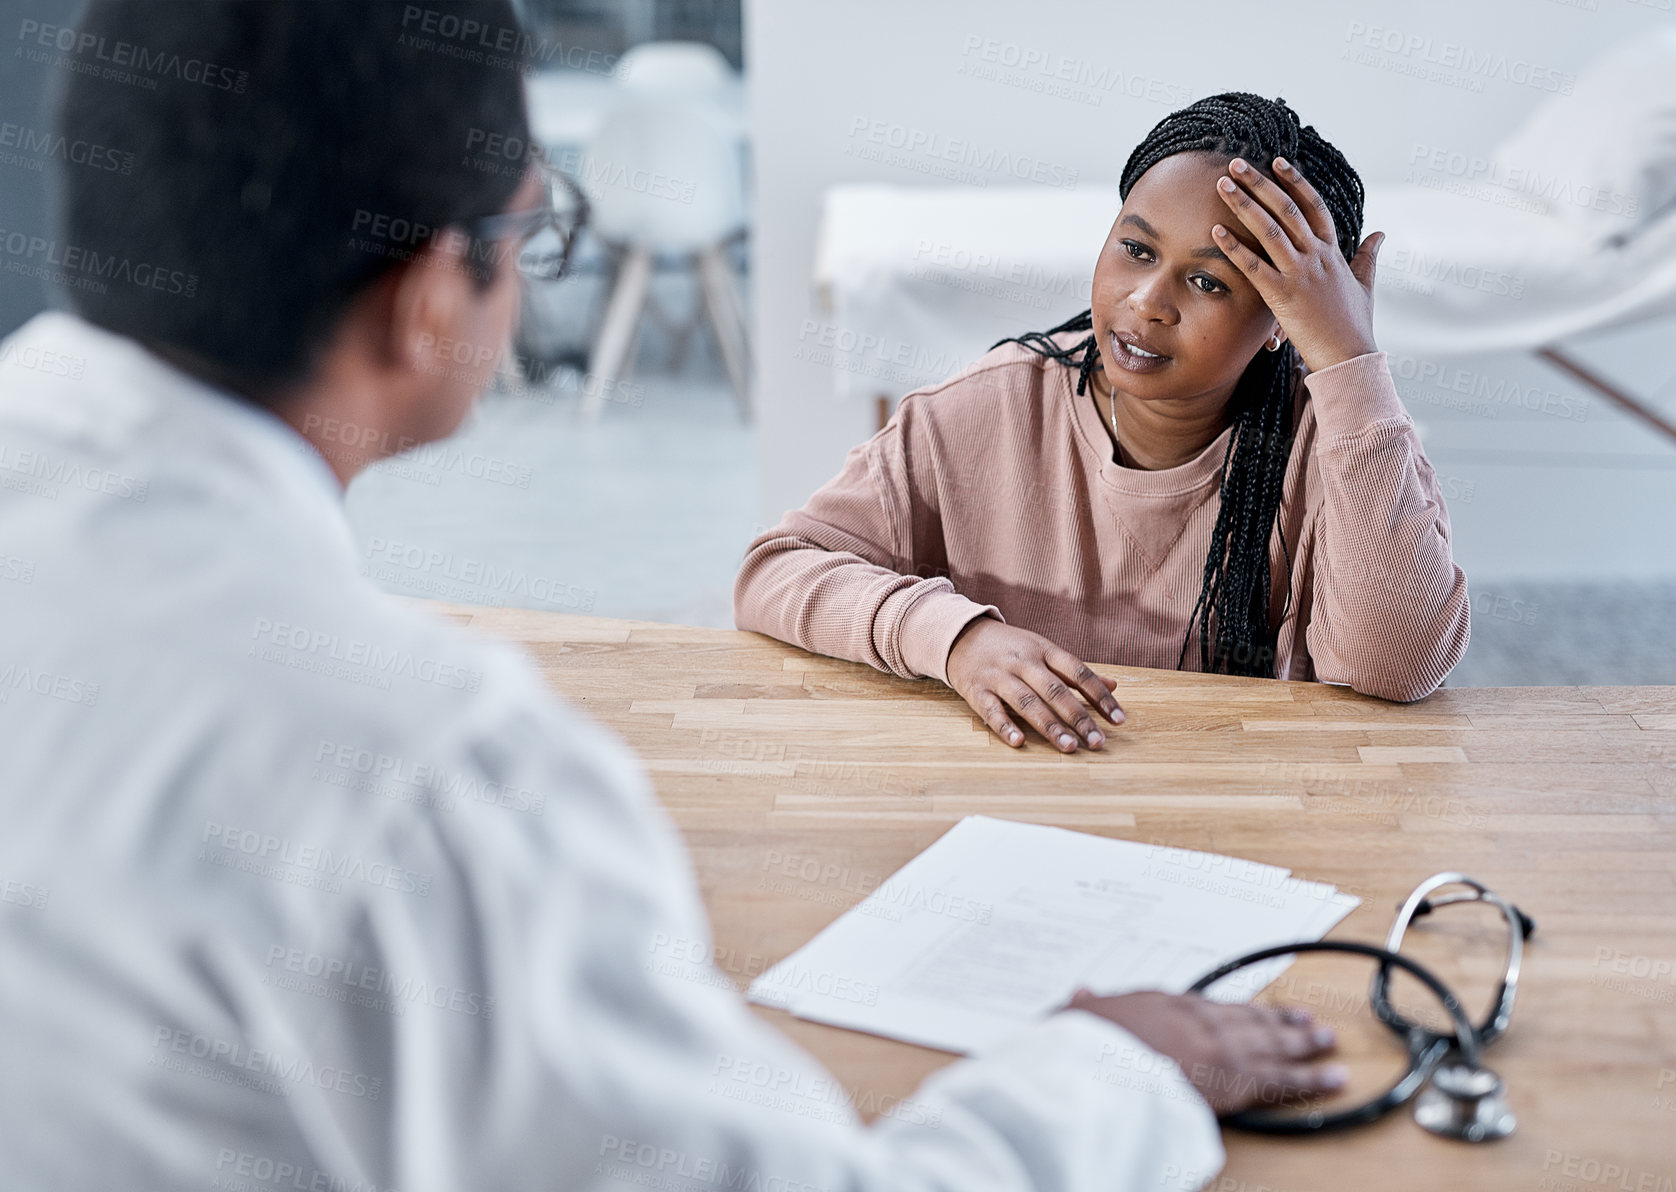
x: 995, y: 666
x: 1235, y: 1056
x: 1322, y: 302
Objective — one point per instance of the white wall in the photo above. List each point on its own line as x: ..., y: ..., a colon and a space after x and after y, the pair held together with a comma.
x: 817, y: 67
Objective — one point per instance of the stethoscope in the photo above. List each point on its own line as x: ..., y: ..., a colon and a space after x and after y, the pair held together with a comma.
x: 1458, y: 1097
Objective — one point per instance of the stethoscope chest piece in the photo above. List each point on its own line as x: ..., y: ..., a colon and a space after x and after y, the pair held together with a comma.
x: 1465, y: 1102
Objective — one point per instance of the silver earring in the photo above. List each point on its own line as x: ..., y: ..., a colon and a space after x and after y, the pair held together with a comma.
x: 1274, y: 343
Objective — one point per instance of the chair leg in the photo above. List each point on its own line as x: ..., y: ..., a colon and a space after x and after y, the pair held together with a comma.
x: 736, y: 300
x: 680, y: 330
x: 603, y: 292
x: 616, y: 333
x: 721, y: 299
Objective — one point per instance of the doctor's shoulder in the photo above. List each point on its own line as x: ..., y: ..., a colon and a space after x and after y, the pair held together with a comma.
x: 504, y: 741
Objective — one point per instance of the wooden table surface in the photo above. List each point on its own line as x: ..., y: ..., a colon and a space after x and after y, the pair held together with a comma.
x: 801, y: 782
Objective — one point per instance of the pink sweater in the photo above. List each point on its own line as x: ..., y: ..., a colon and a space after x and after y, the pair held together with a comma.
x: 996, y: 493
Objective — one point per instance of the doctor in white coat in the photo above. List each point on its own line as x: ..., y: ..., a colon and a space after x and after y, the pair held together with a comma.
x: 300, y: 887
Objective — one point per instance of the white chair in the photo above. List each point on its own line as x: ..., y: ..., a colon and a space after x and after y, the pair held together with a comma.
x: 689, y: 71
x: 663, y: 180
x: 681, y: 67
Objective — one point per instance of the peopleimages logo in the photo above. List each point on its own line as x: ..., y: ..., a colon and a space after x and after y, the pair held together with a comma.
x: 1048, y: 72
x: 38, y: 472
x: 452, y: 785
x: 278, y: 641
x: 446, y: 575
x: 1411, y: 268
x: 664, y: 1167
x: 42, y: 360
x: 236, y: 1169
x: 122, y: 61
x: 1441, y: 167
x: 929, y: 151
x: 355, y: 983
x: 70, y: 689
x: 90, y: 267
x: 40, y: 144
x: 810, y: 1093
x: 230, y: 1059
x: 225, y: 844
x: 1449, y: 62
x: 873, y: 354
x: 444, y: 32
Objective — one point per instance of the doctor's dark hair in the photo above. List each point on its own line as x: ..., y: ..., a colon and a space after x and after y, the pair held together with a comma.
x: 1232, y: 613
x: 283, y: 156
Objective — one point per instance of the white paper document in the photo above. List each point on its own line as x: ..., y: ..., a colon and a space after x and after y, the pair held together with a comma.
x: 997, y: 924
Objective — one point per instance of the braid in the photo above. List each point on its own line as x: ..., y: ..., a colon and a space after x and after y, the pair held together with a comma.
x: 1082, y: 355
x: 1232, y: 612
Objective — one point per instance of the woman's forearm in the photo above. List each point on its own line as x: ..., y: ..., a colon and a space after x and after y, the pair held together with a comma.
x: 803, y: 588
x: 1391, y: 614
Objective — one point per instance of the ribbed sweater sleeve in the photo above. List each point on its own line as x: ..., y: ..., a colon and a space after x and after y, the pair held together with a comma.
x: 829, y: 578
x: 1391, y: 614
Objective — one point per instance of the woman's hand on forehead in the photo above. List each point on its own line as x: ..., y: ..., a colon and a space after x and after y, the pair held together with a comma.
x: 1323, y: 303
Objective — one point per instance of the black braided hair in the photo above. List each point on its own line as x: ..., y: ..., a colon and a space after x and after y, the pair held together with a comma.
x: 1233, y: 605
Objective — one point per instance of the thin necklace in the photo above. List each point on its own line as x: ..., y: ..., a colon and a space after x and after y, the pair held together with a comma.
x: 1117, y: 444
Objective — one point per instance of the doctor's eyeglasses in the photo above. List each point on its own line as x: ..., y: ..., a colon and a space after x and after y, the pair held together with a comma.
x: 1442, y: 1069
x: 546, y: 233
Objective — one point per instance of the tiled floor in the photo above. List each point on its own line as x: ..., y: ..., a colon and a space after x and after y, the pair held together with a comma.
x: 1564, y: 633
x: 644, y: 513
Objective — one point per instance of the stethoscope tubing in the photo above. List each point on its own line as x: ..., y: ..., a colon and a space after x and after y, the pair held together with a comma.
x: 1519, y: 925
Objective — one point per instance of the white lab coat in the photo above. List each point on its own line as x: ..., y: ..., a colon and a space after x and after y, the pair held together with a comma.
x: 303, y: 888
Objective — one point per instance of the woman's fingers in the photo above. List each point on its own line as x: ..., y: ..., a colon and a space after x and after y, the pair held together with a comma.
x: 994, y: 713
x: 1259, y: 272
x: 1277, y: 203
x: 1242, y: 197
x: 1067, y: 704
x: 1029, y: 704
x: 1314, y: 207
x: 1012, y: 676
x: 1093, y: 688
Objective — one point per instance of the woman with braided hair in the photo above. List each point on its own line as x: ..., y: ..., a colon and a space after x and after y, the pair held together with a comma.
x: 1219, y: 473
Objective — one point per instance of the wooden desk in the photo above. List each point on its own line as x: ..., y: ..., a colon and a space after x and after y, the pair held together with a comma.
x: 1560, y: 798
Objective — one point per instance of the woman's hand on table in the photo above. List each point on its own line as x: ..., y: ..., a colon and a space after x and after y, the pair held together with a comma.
x: 996, y: 667
x: 1235, y: 1056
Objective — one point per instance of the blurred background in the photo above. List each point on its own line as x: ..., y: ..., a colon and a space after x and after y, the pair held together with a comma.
x: 799, y: 211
